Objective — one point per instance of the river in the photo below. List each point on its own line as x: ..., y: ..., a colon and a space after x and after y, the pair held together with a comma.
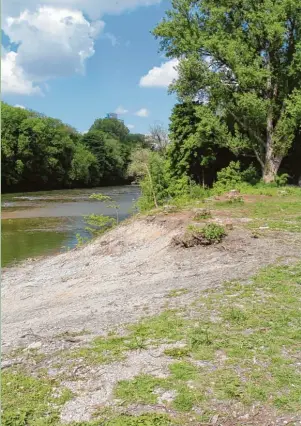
x: 43, y: 223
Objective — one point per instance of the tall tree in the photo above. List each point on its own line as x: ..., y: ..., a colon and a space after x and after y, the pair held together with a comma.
x: 243, y: 57
x: 197, y: 146
x: 111, y: 126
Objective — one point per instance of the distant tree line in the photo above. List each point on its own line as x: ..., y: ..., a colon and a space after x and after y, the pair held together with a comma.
x: 40, y: 152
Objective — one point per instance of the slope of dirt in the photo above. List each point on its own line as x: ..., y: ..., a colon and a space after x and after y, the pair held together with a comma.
x: 124, y: 275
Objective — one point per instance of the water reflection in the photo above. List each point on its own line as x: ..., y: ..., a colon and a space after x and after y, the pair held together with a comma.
x: 45, y: 223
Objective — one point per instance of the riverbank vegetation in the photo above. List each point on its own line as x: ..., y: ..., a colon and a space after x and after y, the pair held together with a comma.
x: 40, y: 153
x: 238, y: 114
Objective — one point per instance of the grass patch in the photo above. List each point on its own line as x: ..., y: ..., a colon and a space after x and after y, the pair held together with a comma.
x: 177, y: 292
x: 167, y: 327
x: 139, y: 390
x: 30, y: 401
x: 247, y: 353
x: 177, y: 352
x: 145, y: 389
x: 183, y: 371
x: 148, y: 419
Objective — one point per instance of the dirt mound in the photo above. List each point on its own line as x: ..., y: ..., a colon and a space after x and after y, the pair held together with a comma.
x: 124, y: 275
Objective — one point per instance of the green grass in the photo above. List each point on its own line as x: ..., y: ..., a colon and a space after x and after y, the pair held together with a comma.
x: 30, y: 401
x: 148, y: 419
x: 257, y: 329
x: 163, y: 328
x: 240, y: 346
x: 144, y: 389
x: 140, y: 389
x: 177, y: 292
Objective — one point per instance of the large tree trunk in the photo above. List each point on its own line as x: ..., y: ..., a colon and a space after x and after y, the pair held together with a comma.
x: 272, y: 160
x: 271, y: 168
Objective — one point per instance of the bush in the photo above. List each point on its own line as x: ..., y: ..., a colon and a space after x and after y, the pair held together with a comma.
x: 195, y: 235
x: 282, y: 179
x: 232, y: 177
x: 213, y: 233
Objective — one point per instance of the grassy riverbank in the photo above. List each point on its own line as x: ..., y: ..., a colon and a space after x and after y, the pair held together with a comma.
x: 228, y: 354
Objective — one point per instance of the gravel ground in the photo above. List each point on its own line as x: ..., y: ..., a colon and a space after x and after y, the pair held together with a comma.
x: 125, y: 274
x: 119, y: 278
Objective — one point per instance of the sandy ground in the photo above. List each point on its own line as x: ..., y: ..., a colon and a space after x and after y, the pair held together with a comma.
x: 124, y: 274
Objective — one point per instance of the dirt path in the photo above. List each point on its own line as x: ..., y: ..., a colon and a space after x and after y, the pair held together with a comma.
x: 125, y: 275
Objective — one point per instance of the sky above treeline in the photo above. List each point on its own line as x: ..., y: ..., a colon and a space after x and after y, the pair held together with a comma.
x: 77, y: 60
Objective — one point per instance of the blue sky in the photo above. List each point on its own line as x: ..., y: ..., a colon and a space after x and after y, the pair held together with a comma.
x: 78, y: 61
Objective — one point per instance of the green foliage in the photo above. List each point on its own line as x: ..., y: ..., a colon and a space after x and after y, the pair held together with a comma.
x: 150, y: 419
x: 177, y: 352
x: 198, y: 140
x: 140, y: 389
x: 243, y: 58
x: 149, y: 169
x: 282, y: 179
x: 81, y: 240
x: 112, y: 127
x: 39, y: 152
x: 230, y: 176
x: 183, y: 371
x: 101, y: 223
x: 30, y: 401
x: 211, y: 233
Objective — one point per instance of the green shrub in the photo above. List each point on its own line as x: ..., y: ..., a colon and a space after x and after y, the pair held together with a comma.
x: 281, y: 180
x: 232, y: 177
x: 213, y: 233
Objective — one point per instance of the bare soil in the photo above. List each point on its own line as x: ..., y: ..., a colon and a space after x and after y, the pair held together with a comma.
x: 126, y: 274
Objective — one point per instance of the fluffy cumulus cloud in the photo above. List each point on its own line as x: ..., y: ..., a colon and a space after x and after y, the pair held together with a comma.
x: 13, y: 78
x: 53, y: 40
x: 20, y: 106
x: 130, y: 126
x: 143, y: 112
x: 161, y: 76
x: 51, y: 43
x: 120, y: 110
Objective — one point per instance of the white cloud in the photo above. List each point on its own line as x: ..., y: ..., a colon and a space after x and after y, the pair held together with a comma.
x: 20, y: 106
x: 52, y: 42
x: 93, y: 8
x: 120, y: 110
x: 130, y: 126
x: 13, y: 79
x: 143, y: 112
x: 161, y: 76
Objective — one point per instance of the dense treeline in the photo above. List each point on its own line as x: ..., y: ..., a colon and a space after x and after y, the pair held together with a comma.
x: 39, y: 152
x: 198, y: 150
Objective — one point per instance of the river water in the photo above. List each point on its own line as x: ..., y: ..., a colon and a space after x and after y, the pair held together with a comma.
x: 42, y: 223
